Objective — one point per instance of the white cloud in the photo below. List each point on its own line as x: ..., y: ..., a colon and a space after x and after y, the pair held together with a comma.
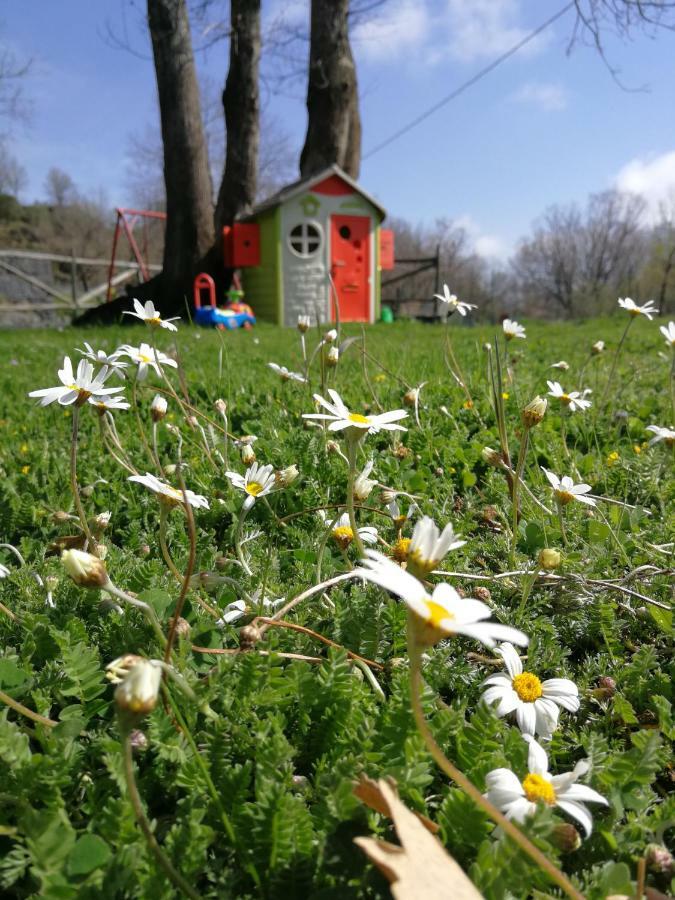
x: 653, y: 178
x: 547, y: 96
x: 480, y: 29
x: 488, y: 245
x: 402, y: 25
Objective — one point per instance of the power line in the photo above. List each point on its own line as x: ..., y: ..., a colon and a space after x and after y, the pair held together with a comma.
x: 467, y: 84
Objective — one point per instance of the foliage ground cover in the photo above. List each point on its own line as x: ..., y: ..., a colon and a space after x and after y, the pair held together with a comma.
x: 257, y: 800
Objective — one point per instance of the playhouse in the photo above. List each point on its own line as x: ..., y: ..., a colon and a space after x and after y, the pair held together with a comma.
x: 316, y: 240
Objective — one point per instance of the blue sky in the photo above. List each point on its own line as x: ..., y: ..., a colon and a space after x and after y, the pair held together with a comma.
x: 547, y: 127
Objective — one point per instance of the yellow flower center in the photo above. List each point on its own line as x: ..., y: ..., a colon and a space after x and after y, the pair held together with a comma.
x: 253, y: 488
x: 154, y: 321
x: 537, y: 788
x: 566, y: 399
x: 564, y: 497
x: 420, y: 565
x: 143, y: 358
x: 343, y: 535
x: 528, y: 687
x: 437, y: 613
x: 357, y: 417
x: 635, y: 312
x: 400, y: 549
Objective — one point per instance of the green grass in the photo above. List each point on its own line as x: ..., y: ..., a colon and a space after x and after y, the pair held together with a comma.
x: 292, y: 736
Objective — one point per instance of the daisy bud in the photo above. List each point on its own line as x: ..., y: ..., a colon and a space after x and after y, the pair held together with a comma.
x: 549, y: 560
x: 330, y: 336
x: 192, y: 421
x: 85, y: 570
x: 101, y: 550
x: 182, y: 627
x: 158, y: 408
x: 332, y: 446
x: 303, y: 324
x: 566, y: 838
x: 286, y: 477
x: 51, y: 582
x: 487, y: 346
x: 606, y: 688
x: 491, y: 457
x: 332, y: 357
x: 171, y: 468
x: 363, y: 486
x: 247, y: 455
x: 138, y: 691
x: 220, y: 406
x: 410, y: 398
x: 100, y: 522
x: 534, y: 412
x: 387, y: 496
x: 482, y: 593
x: 87, y: 490
x: 659, y: 859
x: 598, y: 347
x: 144, y: 550
x: 59, y: 517
x: 249, y: 636
x: 401, y: 451
x: 138, y: 740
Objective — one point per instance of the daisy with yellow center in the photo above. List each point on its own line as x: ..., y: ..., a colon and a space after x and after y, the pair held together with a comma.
x: 151, y: 316
x: 439, y: 615
x: 146, y: 358
x: 536, y: 703
x: 519, y: 799
x: 400, y: 549
x: 355, y: 425
x: 343, y: 534
x: 573, y: 400
x: 429, y: 546
x: 257, y: 482
x: 565, y: 490
x: 76, y: 387
x: 169, y: 495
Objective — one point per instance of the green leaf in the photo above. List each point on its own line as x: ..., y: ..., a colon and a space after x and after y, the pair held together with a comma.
x: 597, y: 532
x: 662, y: 617
x: 535, y: 537
x: 159, y: 600
x: 624, y: 710
x: 10, y: 674
x: 90, y: 852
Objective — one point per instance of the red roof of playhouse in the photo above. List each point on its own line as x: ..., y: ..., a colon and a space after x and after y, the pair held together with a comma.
x: 331, y: 181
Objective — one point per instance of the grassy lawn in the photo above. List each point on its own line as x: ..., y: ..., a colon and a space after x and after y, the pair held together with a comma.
x: 246, y: 774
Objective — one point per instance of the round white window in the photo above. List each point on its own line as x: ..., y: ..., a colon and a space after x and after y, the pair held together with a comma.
x: 305, y: 239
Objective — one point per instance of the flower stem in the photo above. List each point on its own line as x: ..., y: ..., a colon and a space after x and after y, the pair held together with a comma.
x: 163, y: 518
x: 351, y: 457
x: 147, y: 610
x: 162, y: 860
x: 139, y: 421
x: 91, y: 544
x: 28, y: 713
x: 528, y: 584
x: 514, y: 494
x: 561, y: 519
x: 603, y: 403
x: 469, y: 788
x: 237, y: 541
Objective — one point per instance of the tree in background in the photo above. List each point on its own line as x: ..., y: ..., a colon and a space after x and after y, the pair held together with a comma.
x: 189, y: 227
x: 60, y: 188
x: 13, y: 177
x: 334, y: 122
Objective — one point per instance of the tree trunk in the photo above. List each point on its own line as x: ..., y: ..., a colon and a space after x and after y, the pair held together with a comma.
x: 241, y: 105
x: 189, y: 193
x: 334, y: 124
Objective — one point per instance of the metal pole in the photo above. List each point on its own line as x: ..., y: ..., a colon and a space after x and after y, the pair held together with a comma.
x: 73, y: 278
x: 437, y: 288
x: 111, y: 269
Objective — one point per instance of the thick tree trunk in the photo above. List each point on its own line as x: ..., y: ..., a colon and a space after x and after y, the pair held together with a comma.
x: 189, y: 194
x: 334, y: 124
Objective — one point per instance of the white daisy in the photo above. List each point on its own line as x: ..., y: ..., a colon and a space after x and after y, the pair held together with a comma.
x: 561, y: 364
x: 171, y: 495
x: 258, y: 481
x: 536, y: 703
x: 239, y: 608
x: 76, y: 388
x: 565, y: 490
x: 343, y: 534
x: 428, y: 546
x: 363, y: 485
x: 146, y: 357
x: 103, y: 403
x: 648, y: 309
x: 518, y: 800
x: 574, y: 400
x: 512, y: 329
x: 454, y: 305
x: 341, y: 418
x: 661, y: 434
x: 330, y: 336
x: 148, y: 314
x: 668, y: 331
x: 285, y: 374
x: 303, y: 324
x: 441, y: 614
x: 111, y: 360
x: 137, y: 690
x: 396, y: 514
x: 598, y: 347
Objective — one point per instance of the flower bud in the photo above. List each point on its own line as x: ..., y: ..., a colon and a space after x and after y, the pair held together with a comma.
x: 51, y: 582
x: 249, y: 636
x: 192, y: 421
x: 220, y: 406
x: 332, y: 357
x: 138, y: 740
x: 387, y: 496
x: 534, y: 412
x: 60, y: 516
x: 482, y: 593
x: 487, y: 346
x: 330, y: 336
x: 85, y: 570
x: 364, y: 485
x: 100, y: 522
x: 401, y: 451
x: 247, y: 455
x: 410, y: 397
x: 158, y: 408
x: 332, y: 446
x: 659, y: 859
x: 303, y: 324
x: 492, y: 457
x: 566, y: 837
x: 606, y: 688
x: 286, y: 477
x: 597, y: 347
x: 144, y: 550
x: 182, y: 627
x: 138, y: 691
x: 549, y: 559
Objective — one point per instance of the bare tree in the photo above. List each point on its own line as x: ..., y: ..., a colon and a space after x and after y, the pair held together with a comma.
x: 612, y: 242
x: 241, y: 106
x: 334, y: 123
x: 60, y: 187
x: 13, y: 177
x: 189, y: 228
x: 13, y: 72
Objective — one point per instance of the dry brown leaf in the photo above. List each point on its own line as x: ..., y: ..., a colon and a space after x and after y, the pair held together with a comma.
x: 368, y: 792
x: 420, y: 869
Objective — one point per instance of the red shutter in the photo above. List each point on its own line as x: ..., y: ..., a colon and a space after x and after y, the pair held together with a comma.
x: 386, y: 249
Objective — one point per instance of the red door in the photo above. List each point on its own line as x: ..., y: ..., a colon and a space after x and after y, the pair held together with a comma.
x: 350, y: 266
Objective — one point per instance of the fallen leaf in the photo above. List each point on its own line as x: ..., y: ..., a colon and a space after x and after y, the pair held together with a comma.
x: 419, y: 869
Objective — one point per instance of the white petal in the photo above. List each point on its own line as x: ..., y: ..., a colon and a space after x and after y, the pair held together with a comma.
x: 579, y: 812
x: 537, y: 759
x: 526, y: 718
x: 511, y: 659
